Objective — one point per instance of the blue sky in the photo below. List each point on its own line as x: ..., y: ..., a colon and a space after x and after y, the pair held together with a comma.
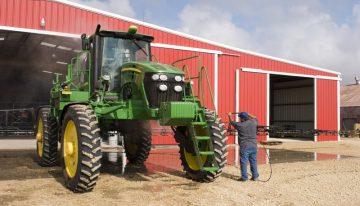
x: 322, y: 33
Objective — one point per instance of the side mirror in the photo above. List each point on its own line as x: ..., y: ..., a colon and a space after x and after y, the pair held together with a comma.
x: 84, y: 42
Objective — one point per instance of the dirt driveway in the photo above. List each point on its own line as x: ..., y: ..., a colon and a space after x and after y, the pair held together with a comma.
x: 334, y: 181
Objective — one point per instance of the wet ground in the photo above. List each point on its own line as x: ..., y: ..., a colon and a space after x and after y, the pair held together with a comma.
x: 164, y: 159
x: 300, y: 177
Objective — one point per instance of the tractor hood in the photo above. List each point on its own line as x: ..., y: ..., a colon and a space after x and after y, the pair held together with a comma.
x: 153, y: 67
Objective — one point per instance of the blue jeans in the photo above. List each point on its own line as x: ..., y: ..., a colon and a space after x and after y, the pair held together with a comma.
x: 248, y: 154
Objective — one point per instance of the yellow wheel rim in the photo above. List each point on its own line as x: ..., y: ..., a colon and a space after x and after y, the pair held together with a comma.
x: 191, y: 160
x: 70, y: 149
x: 39, y: 137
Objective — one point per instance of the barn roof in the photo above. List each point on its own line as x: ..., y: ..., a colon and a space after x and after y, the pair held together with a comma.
x: 80, y: 6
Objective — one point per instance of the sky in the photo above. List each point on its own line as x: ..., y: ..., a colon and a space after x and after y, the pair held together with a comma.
x: 323, y: 33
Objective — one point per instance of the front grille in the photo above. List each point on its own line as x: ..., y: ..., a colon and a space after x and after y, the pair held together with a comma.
x: 155, y: 96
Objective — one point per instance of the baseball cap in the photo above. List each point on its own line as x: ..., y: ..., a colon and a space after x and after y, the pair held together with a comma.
x: 243, y: 115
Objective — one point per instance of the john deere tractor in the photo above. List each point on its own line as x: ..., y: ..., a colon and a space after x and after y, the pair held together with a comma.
x: 113, y: 86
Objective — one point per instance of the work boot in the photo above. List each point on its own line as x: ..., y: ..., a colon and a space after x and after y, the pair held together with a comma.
x: 241, y: 179
x: 254, y: 179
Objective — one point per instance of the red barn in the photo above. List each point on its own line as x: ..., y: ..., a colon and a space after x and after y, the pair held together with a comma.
x: 39, y: 35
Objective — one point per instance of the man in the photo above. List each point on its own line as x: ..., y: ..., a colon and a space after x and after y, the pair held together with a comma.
x: 247, y: 129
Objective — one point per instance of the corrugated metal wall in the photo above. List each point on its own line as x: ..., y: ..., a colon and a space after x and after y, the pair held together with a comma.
x: 61, y: 17
x: 327, y: 108
x: 253, y: 89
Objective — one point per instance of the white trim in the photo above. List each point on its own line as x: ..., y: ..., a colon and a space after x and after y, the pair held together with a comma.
x: 267, y: 102
x: 315, y: 156
x: 237, y: 98
x: 189, y: 36
x: 171, y: 46
x: 315, y: 108
x: 289, y: 74
x: 329, y: 78
x: 338, y: 109
x: 216, y: 80
x: 35, y: 31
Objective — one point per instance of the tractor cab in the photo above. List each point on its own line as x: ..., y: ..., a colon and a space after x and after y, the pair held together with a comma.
x: 110, y: 50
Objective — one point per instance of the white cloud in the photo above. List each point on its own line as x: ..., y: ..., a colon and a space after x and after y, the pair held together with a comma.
x: 212, y: 23
x: 301, y: 31
x: 121, y: 7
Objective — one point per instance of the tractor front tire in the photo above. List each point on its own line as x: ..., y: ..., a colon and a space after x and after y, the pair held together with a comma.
x: 80, y: 148
x: 137, y: 135
x: 218, y: 137
x: 46, y: 133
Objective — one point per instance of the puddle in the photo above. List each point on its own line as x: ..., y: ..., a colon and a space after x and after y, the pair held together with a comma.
x: 167, y: 160
x: 283, y: 156
x: 161, y: 163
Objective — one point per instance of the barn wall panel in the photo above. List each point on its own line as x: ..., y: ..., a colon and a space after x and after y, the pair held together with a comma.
x: 327, y: 108
x: 253, y: 87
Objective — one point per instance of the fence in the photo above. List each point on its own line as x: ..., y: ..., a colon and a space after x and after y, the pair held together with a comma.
x: 17, y: 122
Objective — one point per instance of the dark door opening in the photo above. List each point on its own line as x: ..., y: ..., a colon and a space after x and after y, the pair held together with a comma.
x: 28, y: 63
x: 291, y: 107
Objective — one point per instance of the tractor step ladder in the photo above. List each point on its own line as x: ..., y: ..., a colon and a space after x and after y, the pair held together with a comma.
x: 201, y: 153
x: 201, y: 122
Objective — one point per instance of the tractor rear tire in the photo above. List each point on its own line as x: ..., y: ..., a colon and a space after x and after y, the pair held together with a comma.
x: 218, y: 137
x: 80, y: 148
x: 137, y: 140
x: 46, y: 133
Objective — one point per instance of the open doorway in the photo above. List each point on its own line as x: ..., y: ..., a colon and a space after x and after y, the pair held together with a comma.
x: 291, y: 107
x: 28, y: 63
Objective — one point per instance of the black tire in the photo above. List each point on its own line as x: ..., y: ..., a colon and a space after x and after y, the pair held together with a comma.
x: 218, y: 137
x: 137, y: 135
x: 46, y: 138
x: 88, y: 164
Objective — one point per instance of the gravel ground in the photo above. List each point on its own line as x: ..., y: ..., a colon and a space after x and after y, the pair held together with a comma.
x: 330, y: 182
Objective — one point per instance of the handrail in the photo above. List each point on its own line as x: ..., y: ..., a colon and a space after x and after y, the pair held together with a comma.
x: 185, y: 68
x: 186, y: 58
x: 203, y: 68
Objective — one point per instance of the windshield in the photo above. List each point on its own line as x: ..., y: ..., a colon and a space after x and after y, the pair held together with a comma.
x: 116, y: 52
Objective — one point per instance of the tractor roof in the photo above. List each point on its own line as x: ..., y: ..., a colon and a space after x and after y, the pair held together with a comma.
x: 125, y: 35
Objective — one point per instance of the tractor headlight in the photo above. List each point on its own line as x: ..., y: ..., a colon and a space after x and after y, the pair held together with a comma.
x: 178, y: 88
x: 163, y: 77
x: 155, y: 77
x: 163, y: 87
x: 178, y: 78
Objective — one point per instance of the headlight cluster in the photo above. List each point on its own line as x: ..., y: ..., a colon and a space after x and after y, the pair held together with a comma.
x: 163, y: 77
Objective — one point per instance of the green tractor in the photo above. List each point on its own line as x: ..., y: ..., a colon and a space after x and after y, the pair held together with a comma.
x: 113, y: 86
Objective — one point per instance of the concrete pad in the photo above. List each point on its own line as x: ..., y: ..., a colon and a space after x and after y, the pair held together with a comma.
x: 17, y: 144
